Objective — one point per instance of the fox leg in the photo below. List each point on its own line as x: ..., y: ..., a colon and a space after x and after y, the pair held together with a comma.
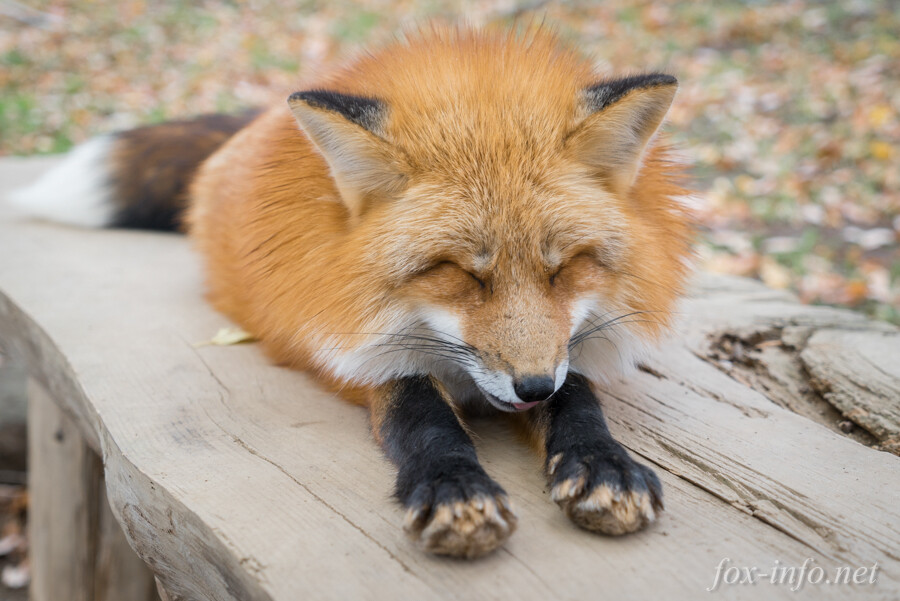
x: 452, y: 506
x: 592, y: 477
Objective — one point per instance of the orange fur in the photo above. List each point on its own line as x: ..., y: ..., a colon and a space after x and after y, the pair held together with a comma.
x: 489, y: 177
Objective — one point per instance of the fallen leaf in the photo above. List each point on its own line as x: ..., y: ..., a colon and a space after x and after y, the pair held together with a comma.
x: 227, y: 337
x: 881, y: 150
x: 774, y: 274
x: 879, y: 115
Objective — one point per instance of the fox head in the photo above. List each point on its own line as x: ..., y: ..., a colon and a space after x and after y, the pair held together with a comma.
x: 512, y: 203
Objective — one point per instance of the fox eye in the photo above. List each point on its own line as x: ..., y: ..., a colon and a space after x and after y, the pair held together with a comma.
x: 476, y: 278
x: 556, y: 274
x: 456, y: 267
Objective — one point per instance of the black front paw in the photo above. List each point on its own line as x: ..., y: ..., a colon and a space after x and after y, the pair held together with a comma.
x: 602, y: 489
x: 456, y: 509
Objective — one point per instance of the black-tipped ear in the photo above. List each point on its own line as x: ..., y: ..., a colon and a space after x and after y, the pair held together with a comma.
x: 619, y: 117
x: 601, y: 95
x: 349, y: 133
x: 368, y: 113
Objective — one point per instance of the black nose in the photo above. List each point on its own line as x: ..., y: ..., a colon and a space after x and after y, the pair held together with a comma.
x: 534, y: 388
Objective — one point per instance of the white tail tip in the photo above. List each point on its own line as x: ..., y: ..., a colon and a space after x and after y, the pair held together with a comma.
x: 77, y: 191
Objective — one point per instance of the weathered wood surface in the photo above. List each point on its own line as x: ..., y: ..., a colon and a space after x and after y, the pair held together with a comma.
x: 236, y: 479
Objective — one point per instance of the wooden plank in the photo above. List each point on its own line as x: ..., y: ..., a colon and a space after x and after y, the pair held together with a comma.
x: 77, y: 550
x: 63, y: 478
x: 236, y: 479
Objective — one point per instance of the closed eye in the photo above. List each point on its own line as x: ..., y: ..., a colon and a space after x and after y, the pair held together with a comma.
x: 555, y: 275
x: 595, y: 257
x: 481, y: 283
x: 476, y: 278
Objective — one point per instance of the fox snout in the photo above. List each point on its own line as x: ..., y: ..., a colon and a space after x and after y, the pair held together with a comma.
x: 519, y: 339
x: 514, y: 388
x: 510, y: 392
x: 534, y: 389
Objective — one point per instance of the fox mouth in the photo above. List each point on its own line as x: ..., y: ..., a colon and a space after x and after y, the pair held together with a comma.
x: 506, y: 405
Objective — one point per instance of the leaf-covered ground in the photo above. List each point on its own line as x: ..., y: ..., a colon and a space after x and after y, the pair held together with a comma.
x: 790, y: 111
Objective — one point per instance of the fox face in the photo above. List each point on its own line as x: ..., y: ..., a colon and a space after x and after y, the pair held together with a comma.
x: 511, y: 278
x: 521, y: 226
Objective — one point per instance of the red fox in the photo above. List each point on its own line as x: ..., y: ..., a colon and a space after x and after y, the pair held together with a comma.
x: 462, y: 220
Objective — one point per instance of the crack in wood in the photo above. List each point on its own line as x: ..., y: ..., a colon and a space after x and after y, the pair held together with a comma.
x: 771, y: 361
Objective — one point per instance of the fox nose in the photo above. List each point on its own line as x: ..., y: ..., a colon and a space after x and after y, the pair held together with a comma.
x: 534, y: 388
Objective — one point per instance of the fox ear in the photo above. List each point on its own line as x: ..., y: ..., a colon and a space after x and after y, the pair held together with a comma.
x: 348, y: 131
x: 618, y: 119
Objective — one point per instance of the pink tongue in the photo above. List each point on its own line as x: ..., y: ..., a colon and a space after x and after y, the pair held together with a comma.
x: 524, y: 406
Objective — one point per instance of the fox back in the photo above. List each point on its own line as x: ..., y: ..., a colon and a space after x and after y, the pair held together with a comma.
x: 482, y: 207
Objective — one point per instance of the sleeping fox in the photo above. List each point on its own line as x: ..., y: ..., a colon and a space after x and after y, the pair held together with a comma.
x: 460, y: 221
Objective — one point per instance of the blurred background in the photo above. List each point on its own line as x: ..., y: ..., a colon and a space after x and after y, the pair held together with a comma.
x: 789, y: 113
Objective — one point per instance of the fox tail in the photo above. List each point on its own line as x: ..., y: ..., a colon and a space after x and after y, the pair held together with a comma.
x: 136, y: 178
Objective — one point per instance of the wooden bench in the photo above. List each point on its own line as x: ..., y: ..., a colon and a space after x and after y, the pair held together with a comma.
x: 235, y: 479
